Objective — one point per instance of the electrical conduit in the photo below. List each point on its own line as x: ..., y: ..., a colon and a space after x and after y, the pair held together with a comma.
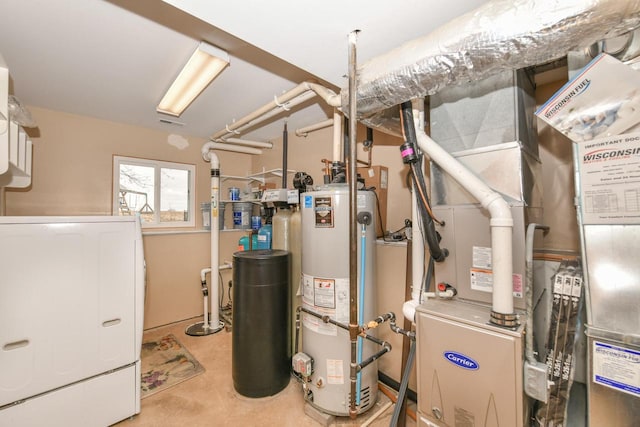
x: 501, y: 222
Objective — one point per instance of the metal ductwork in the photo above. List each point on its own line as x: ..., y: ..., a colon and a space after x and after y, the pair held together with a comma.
x: 501, y: 34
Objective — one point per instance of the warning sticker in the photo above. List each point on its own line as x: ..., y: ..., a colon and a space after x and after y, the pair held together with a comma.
x: 481, y: 257
x: 616, y: 367
x: 335, y: 371
x: 482, y: 280
x: 324, y: 293
x: 326, y: 297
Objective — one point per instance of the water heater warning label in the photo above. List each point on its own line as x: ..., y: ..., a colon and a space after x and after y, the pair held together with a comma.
x: 616, y: 367
x: 328, y: 297
x: 324, y: 293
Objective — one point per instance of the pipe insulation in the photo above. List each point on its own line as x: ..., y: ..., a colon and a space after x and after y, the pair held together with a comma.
x: 501, y: 34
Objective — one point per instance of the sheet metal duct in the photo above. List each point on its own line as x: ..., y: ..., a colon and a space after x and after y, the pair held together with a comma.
x: 502, y: 34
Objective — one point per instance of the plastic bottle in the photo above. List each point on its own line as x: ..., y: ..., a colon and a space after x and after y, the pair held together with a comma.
x: 243, y: 243
x: 264, y: 237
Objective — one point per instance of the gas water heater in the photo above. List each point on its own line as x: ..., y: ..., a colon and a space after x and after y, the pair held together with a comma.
x: 326, y: 348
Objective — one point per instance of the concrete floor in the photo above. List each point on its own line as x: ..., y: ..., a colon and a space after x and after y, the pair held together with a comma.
x: 209, y: 399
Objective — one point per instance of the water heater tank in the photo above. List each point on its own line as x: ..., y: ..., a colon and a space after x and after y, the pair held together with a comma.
x: 326, y: 291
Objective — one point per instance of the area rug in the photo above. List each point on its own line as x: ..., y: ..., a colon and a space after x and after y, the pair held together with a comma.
x: 165, y: 363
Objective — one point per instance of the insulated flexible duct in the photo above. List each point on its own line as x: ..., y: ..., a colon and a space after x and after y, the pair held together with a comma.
x: 501, y: 34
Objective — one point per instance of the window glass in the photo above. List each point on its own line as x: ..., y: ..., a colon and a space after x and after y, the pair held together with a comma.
x: 160, y: 192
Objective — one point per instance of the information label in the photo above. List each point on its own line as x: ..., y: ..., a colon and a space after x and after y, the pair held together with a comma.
x: 616, y: 367
x: 610, y: 180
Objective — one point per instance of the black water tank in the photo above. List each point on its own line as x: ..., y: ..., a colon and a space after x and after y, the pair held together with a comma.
x: 260, y: 362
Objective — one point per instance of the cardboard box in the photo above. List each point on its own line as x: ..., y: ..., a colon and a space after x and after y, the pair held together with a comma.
x: 378, y: 177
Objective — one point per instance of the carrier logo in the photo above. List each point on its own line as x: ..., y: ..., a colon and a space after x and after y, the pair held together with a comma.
x: 461, y: 360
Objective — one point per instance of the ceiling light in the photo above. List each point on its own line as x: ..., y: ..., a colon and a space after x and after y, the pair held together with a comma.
x: 204, y: 65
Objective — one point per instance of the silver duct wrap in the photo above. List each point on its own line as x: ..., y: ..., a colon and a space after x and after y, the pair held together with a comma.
x: 501, y: 34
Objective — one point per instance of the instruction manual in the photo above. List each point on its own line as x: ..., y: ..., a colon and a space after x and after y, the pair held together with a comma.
x: 602, y: 100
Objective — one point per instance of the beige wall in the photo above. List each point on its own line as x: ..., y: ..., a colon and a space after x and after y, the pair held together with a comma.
x: 72, y: 175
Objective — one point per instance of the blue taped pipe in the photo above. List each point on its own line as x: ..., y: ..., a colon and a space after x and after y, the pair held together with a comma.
x: 363, y: 257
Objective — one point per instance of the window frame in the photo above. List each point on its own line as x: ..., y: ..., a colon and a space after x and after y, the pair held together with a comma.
x: 157, y: 166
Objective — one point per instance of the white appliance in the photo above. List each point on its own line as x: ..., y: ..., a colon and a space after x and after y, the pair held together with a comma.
x: 71, y: 318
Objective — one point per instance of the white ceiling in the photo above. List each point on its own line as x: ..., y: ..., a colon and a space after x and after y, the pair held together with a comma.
x: 113, y: 59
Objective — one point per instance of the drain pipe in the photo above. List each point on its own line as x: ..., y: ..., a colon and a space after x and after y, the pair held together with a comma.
x: 501, y: 223
x: 417, y: 255
x: 215, y: 324
x: 353, y: 225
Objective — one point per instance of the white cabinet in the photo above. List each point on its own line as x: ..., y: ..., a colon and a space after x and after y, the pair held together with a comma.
x: 71, y: 305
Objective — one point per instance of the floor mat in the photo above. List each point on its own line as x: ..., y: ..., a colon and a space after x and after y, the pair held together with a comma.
x: 165, y: 362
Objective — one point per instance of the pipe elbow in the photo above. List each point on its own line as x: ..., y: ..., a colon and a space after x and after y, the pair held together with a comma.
x: 409, y: 310
x: 499, y: 211
x: 206, y: 151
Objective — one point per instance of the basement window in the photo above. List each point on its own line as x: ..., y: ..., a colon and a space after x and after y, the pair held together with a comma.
x: 160, y: 192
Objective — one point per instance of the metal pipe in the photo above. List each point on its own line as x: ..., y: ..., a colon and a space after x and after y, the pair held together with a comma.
x: 285, y: 152
x: 304, y: 131
x: 353, y: 221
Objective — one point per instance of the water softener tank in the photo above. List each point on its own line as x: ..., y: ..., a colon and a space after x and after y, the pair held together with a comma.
x: 326, y: 291
x: 260, y: 361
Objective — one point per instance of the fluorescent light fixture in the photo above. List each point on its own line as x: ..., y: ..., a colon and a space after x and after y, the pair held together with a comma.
x: 204, y: 65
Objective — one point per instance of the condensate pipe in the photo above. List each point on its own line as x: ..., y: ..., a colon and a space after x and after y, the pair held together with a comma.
x: 501, y: 221
x: 417, y: 255
x: 284, y: 102
x: 304, y: 131
x: 207, y: 147
x: 214, y: 323
x: 353, y: 223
